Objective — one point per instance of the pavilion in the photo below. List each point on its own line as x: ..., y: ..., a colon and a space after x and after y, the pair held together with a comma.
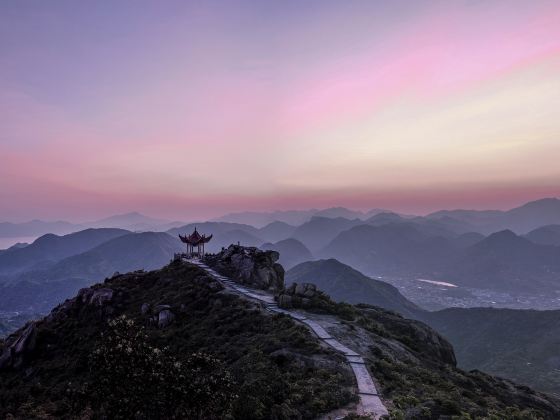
x: 193, y: 240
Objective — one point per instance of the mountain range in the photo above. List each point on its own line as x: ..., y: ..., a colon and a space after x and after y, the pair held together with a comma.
x: 246, y: 362
x: 521, y: 345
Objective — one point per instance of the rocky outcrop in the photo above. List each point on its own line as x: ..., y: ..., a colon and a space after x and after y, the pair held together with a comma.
x: 96, y: 297
x: 160, y: 315
x: 299, y: 296
x: 250, y: 266
x: 165, y: 318
x: 18, y: 347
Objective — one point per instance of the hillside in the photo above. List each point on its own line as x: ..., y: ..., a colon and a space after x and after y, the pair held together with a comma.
x: 518, y: 344
x: 321, y: 230
x: 276, y: 231
x: 521, y: 219
x: 394, y: 248
x: 276, y: 367
x: 545, y: 235
x: 40, y: 290
x: 36, y: 228
x: 507, y: 262
x: 344, y: 284
x: 51, y: 248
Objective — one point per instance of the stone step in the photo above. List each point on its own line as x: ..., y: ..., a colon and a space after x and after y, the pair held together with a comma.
x: 355, y: 359
x: 317, y: 329
x: 340, y: 347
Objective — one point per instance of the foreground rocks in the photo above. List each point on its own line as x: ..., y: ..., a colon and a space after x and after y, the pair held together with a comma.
x: 18, y: 347
x: 250, y: 266
x: 299, y: 296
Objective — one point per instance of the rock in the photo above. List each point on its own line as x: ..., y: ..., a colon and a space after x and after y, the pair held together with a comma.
x: 95, y: 297
x: 250, y: 266
x: 26, y: 341
x: 19, y: 347
x: 145, y: 308
x: 159, y: 308
x: 101, y: 296
x: 299, y: 296
x: 300, y: 289
x: 165, y: 318
x: 285, y: 301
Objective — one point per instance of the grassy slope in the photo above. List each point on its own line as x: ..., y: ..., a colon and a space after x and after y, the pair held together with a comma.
x: 279, y: 366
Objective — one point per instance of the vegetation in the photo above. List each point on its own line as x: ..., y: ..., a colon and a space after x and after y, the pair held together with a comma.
x: 417, y: 372
x: 158, y: 383
x: 276, y: 367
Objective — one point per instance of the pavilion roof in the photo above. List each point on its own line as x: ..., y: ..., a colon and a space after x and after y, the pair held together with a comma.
x: 195, y: 238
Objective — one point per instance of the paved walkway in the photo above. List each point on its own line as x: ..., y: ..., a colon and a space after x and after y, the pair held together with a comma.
x: 370, y: 403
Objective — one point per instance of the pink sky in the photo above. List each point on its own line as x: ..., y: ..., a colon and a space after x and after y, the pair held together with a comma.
x: 190, y: 111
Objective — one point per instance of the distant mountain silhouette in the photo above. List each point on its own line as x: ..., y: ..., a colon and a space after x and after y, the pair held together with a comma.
x: 294, y: 217
x: 545, y: 235
x: 134, y: 221
x: 520, y: 219
x: 292, y: 252
x: 51, y: 248
x: 344, y: 284
x: 508, y: 262
x: 321, y: 230
x: 396, y: 249
x: 36, y: 228
x: 40, y: 290
x: 261, y: 219
x: 276, y: 231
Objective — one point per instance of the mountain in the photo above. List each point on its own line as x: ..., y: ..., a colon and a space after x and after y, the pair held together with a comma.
x: 545, y: 235
x: 521, y: 345
x: 276, y: 231
x: 336, y: 212
x: 385, y: 218
x: 533, y: 215
x: 292, y: 252
x: 390, y: 249
x: 40, y: 290
x: 36, y: 228
x: 50, y: 248
x: 344, y: 284
x: 321, y: 230
x: 168, y: 329
x: 294, y: 217
x: 508, y: 262
x: 521, y: 219
x: 134, y: 221
x: 261, y: 219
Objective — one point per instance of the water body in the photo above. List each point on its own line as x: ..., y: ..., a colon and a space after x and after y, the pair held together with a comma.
x: 438, y: 283
x: 8, y: 242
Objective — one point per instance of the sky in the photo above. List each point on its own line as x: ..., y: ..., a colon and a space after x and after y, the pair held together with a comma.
x: 190, y: 110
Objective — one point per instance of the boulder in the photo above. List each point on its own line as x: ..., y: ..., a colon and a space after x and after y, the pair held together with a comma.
x: 18, y: 347
x: 100, y: 297
x: 165, y: 318
x: 299, y: 296
x: 250, y: 266
x: 159, y: 308
x: 144, y: 308
x: 95, y: 297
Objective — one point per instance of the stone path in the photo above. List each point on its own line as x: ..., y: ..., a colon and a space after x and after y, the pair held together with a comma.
x: 370, y: 403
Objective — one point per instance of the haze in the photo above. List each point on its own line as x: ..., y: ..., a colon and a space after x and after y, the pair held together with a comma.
x: 192, y: 110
